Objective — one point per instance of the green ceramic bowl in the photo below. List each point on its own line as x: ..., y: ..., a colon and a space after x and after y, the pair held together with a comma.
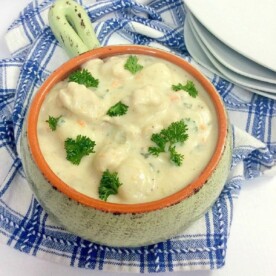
x: 120, y: 225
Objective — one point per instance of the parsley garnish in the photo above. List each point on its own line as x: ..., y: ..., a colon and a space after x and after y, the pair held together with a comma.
x: 188, y: 87
x: 78, y: 148
x: 53, y: 122
x: 165, y: 141
x: 84, y: 77
x: 118, y: 109
x: 109, y: 185
x: 175, y: 157
x: 132, y: 65
x: 160, y: 141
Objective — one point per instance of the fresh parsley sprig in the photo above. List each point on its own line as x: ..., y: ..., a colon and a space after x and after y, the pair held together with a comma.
x: 160, y: 142
x: 188, y: 87
x: 167, y: 139
x: 77, y: 148
x: 175, y: 157
x: 53, y: 122
x: 84, y: 77
x: 109, y: 185
x: 118, y: 109
x: 132, y: 65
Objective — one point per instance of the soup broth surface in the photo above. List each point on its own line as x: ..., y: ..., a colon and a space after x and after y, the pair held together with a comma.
x: 122, y: 142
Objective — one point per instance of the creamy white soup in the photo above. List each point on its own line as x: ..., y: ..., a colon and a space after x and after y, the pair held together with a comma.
x: 155, y: 98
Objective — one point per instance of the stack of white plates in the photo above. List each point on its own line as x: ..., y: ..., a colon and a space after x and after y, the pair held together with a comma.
x: 236, y: 40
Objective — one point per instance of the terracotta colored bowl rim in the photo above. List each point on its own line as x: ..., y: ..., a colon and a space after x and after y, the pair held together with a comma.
x: 103, y: 52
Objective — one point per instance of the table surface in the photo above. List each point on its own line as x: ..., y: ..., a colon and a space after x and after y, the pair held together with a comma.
x: 252, y: 243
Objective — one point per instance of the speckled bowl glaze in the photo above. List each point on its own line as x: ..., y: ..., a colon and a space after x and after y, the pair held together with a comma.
x: 124, y: 224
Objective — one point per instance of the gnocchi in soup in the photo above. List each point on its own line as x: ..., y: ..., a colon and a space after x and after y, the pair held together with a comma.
x: 127, y: 129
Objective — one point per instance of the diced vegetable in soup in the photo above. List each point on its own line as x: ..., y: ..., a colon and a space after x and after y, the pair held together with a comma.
x: 128, y: 129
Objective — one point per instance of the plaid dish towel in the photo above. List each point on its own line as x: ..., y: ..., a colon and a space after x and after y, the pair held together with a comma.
x: 35, y: 54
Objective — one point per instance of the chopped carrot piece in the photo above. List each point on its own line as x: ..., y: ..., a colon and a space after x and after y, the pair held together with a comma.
x: 139, y: 76
x: 175, y: 97
x: 116, y: 83
x: 203, y: 126
x: 81, y: 123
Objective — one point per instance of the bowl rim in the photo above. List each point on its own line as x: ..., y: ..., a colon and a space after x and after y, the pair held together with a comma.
x: 103, y: 52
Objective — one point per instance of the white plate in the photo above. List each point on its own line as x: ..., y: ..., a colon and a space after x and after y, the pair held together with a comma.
x: 195, y: 51
x: 231, y: 59
x: 246, y: 26
x: 233, y: 76
x: 200, y: 57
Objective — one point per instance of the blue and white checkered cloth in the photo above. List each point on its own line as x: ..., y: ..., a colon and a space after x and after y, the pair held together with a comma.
x: 35, y: 54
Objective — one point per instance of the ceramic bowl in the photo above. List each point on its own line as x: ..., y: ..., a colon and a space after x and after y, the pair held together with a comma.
x: 124, y: 224
x: 112, y: 224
